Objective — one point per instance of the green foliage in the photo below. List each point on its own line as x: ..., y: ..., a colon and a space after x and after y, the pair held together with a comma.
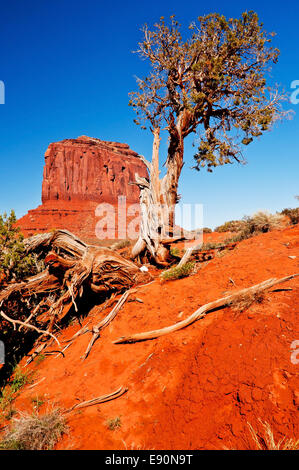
x: 15, y: 263
x: 178, y: 272
x: 6, y: 403
x: 213, y: 82
x: 39, y: 359
x: 20, y: 379
x: 11, y: 391
x: 175, y: 252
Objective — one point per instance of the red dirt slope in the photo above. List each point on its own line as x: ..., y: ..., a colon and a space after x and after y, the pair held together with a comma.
x: 196, y: 388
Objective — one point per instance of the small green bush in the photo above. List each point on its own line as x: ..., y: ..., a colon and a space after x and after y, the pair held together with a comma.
x: 174, y: 251
x: 20, y: 379
x: 6, y: 403
x: 10, y: 392
x: 15, y: 263
x: 178, y: 272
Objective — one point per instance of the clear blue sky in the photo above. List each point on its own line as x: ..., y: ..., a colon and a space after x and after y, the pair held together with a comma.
x: 68, y: 67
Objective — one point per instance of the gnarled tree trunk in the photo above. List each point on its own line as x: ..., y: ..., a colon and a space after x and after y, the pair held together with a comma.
x: 158, y: 198
x: 71, y: 267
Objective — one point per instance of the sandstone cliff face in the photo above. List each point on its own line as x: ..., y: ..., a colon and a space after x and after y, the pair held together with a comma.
x: 79, y: 174
x: 87, y: 169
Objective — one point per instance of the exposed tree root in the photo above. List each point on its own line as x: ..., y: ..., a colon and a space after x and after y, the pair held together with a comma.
x: 96, y: 401
x: 27, y: 325
x: 202, y: 311
x: 103, y: 323
x: 73, y: 269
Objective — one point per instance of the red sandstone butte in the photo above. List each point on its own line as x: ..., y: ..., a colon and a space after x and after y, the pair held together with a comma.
x: 79, y: 174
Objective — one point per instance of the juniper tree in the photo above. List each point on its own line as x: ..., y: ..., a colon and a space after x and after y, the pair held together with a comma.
x: 212, y: 83
x: 15, y: 263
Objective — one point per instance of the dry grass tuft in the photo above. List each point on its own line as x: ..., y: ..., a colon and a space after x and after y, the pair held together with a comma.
x: 34, y: 432
x: 263, y: 221
x: 113, y: 423
x: 267, y: 441
x: 244, y: 301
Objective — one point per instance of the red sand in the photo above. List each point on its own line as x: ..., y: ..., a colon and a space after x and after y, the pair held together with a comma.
x: 196, y: 388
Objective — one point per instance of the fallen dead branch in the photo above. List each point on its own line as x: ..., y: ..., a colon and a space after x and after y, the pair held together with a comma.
x: 188, y: 253
x: 35, y: 353
x: 103, y: 323
x: 27, y: 325
x: 202, y: 311
x: 96, y: 401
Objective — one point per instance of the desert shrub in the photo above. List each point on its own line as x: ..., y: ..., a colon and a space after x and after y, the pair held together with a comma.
x: 6, y: 404
x: 9, y: 393
x: 20, y: 379
x: 231, y: 226
x: 178, y: 272
x: 243, y: 235
x: 174, y: 251
x: 244, y: 301
x: 34, y: 432
x: 207, y: 230
x: 292, y: 214
x: 262, y: 222
x: 266, y: 440
x: 210, y: 246
x: 15, y: 263
x: 113, y: 423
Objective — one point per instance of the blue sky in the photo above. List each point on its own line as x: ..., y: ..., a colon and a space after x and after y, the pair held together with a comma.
x: 68, y: 68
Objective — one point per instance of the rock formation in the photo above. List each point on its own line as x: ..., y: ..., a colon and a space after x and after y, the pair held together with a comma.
x: 79, y: 174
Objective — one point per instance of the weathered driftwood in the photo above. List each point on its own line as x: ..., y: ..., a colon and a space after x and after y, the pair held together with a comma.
x: 188, y: 253
x: 96, y: 401
x: 71, y: 267
x: 72, y: 270
x: 202, y: 311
